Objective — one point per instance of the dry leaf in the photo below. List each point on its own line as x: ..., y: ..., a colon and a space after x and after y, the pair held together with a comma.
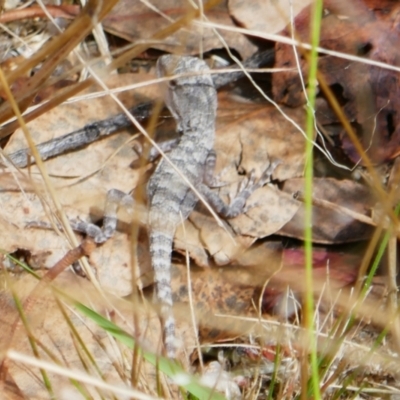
x: 192, y: 39
x: 368, y: 95
x: 266, y: 16
x: 332, y: 226
x: 232, y: 290
x: 51, y: 330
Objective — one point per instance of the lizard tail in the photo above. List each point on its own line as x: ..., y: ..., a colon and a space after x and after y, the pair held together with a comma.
x: 160, y: 250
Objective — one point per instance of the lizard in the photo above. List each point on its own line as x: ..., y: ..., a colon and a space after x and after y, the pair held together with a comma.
x: 191, y: 97
x: 192, y: 101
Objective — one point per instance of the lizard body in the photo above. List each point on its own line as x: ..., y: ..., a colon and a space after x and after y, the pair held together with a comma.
x: 192, y: 100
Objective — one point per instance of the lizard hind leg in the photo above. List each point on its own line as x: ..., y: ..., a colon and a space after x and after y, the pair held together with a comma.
x: 238, y: 204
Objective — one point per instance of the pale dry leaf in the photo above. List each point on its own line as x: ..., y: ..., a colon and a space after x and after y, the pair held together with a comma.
x: 17, y: 210
x: 187, y: 238
x: 269, y: 210
x: 191, y: 39
x: 112, y: 266
x: 214, y: 376
x: 202, y: 237
x: 222, y: 245
x: 266, y: 16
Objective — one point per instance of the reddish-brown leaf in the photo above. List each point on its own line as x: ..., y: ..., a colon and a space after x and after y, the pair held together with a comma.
x: 369, y: 95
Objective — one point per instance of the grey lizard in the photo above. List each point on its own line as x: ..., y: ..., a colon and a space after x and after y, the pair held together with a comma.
x: 192, y: 100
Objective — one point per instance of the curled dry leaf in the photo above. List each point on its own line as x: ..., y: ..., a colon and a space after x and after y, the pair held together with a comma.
x: 191, y: 39
x: 332, y: 226
x: 187, y: 239
x: 221, y: 243
x: 266, y: 16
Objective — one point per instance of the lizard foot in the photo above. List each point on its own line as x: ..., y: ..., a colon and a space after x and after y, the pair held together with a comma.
x: 247, y: 187
x: 97, y: 234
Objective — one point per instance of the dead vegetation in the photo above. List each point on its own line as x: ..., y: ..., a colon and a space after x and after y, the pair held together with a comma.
x: 239, y: 285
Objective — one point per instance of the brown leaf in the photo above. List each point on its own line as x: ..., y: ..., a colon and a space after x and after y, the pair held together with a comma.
x: 331, y: 226
x: 265, y: 16
x: 369, y: 95
x: 230, y: 290
x: 193, y: 39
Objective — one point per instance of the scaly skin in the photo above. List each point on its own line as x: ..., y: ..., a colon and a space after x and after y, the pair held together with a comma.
x: 192, y: 100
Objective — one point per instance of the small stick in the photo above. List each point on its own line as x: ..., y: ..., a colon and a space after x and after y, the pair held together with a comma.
x: 82, y: 137
x: 92, y: 132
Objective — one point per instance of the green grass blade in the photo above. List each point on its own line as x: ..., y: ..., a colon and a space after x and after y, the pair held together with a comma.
x: 169, y: 367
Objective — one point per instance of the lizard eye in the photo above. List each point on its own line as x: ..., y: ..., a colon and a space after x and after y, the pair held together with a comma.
x: 173, y: 83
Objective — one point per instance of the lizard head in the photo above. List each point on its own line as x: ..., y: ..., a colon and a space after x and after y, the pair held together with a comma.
x: 190, y: 91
